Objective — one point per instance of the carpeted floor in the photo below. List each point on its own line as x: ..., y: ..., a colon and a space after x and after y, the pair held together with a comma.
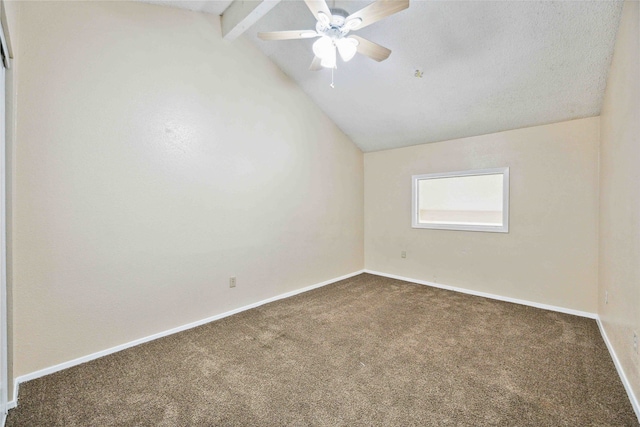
x: 364, y: 351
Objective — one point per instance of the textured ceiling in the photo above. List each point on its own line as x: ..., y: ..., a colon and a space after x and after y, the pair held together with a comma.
x: 487, y: 66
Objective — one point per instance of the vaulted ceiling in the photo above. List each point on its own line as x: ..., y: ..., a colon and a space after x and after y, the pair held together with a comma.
x: 483, y: 66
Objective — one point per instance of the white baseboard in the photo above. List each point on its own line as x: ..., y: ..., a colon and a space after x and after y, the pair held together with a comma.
x: 487, y: 295
x: 623, y: 376
x: 13, y: 403
x: 59, y: 367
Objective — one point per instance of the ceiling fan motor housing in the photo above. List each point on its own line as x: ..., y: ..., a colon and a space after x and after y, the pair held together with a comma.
x: 333, y: 26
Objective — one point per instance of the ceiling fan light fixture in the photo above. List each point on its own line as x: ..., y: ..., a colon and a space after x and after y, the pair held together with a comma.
x: 324, y: 49
x: 329, y: 61
x: 347, y: 47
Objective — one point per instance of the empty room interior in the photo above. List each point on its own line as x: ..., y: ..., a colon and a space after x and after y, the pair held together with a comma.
x: 322, y: 213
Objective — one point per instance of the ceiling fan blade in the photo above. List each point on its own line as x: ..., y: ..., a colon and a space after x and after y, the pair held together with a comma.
x: 377, y: 11
x: 315, y: 64
x: 288, y: 35
x: 316, y: 6
x: 371, y: 49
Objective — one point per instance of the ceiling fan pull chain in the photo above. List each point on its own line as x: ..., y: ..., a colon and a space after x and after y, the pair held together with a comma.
x: 331, y: 85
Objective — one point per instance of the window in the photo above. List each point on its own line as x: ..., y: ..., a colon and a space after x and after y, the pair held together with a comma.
x: 476, y: 200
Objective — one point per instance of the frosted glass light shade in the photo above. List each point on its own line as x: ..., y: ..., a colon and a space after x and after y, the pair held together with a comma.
x: 329, y: 61
x: 324, y: 49
x: 347, y: 48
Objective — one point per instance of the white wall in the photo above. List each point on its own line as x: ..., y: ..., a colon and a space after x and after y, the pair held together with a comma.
x: 619, y: 265
x: 154, y: 161
x: 549, y: 255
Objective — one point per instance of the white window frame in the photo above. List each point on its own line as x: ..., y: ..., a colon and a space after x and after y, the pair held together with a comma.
x: 504, y: 228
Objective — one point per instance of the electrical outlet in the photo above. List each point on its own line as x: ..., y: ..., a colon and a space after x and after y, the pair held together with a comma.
x: 606, y: 297
x: 403, y: 254
x: 232, y: 282
x: 635, y: 342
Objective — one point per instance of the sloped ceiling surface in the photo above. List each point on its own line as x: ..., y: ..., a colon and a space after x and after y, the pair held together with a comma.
x: 487, y: 66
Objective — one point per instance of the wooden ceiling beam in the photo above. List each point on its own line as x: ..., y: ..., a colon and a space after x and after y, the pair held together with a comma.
x: 242, y: 14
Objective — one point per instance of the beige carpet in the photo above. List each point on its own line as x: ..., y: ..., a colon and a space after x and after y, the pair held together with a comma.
x: 364, y: 351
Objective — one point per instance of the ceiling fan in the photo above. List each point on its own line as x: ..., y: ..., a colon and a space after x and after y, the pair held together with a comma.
x: 333, y: 28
